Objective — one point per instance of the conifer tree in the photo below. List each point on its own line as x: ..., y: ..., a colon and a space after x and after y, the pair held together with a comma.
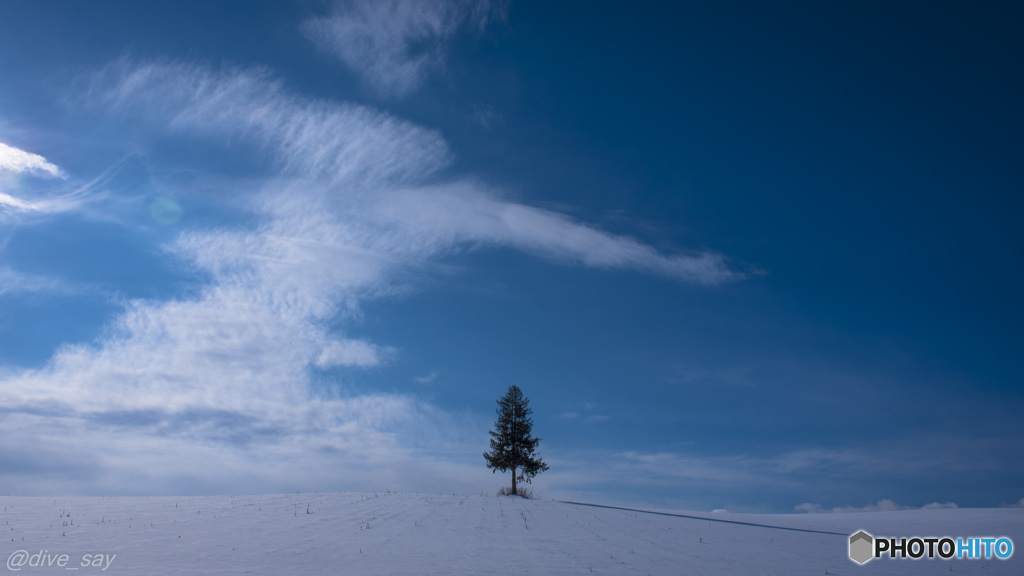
x: 512, y: 447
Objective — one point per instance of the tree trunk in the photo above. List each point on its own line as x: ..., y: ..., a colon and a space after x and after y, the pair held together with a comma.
x: 514, y: 480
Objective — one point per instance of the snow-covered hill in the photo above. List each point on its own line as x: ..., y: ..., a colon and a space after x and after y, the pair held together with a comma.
x: 386, y: 533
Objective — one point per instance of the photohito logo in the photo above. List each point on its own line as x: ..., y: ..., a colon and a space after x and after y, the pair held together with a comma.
x: 864, y: 547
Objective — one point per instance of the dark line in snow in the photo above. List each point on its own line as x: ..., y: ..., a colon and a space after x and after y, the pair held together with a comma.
x: 703, y: 518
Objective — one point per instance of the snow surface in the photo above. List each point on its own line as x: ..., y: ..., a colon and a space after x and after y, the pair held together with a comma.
x: 387, y: 533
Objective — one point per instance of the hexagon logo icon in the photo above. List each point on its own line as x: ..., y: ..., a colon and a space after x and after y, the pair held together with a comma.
x: 861, y: 545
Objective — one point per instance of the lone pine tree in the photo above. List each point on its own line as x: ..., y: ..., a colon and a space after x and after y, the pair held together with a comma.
x: 512, y: 447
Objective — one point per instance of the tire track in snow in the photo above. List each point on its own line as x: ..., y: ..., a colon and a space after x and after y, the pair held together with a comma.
x: 691, y: 517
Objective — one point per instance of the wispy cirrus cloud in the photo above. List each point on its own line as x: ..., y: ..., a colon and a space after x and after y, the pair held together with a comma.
x: 584, y: 412
x: 884, y: 505
x: 485, y: 116
x: 19, y: 208
x: 27, y: 193
x: 15, y: 282
x: 426, y: 379
x: 394, y: 45
x: 369, y: 178
x: 353, y: 353
x: 17, y: 160
x: 245, y: 370
x: 740, y: 479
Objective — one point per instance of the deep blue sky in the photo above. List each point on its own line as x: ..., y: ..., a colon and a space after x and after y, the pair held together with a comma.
x: 738, y: 256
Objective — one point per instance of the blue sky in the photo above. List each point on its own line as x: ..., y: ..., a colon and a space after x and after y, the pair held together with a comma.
x: 738, y: 256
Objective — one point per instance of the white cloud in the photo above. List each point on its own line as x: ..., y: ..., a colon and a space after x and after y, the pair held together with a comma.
x: 24, y: 200
x: 485, y: 116
x: 19, y: 209
x: 9, y: 202
x: 789, y: 474
x: 1018, y: 504
x: 15, y: 282
x: 352, y: 353
x: 466, y: 212
x: 18, y: 161
x: 669, y: 467
x: 393, y: 45
x: 588, y: 419
x: 884, y: 505
x: 353, y: 148
x: 361, y: 189
x: 939, y: 506
x: 13, y: 203
x: 428, y: 379
x: 227, y: 379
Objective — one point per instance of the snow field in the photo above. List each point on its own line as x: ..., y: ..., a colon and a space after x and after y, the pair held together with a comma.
x: 389, y: 533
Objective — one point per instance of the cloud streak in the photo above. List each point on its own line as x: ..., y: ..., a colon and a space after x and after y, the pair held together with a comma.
x: 15, y: 282
x: 32, y: 199
x: 247, y: 375
x: 15, y: 162
x: 744, y: 480
x: 394, y: 45
x: 369, y: 176
x: 352, y: 353
x: 885, y: 505
x: 18, y: 161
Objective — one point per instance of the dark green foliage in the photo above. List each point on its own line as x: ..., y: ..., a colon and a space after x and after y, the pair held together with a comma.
x: 512, y: 447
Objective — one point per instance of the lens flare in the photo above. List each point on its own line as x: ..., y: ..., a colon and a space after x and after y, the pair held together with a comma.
x: 166, y: 211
